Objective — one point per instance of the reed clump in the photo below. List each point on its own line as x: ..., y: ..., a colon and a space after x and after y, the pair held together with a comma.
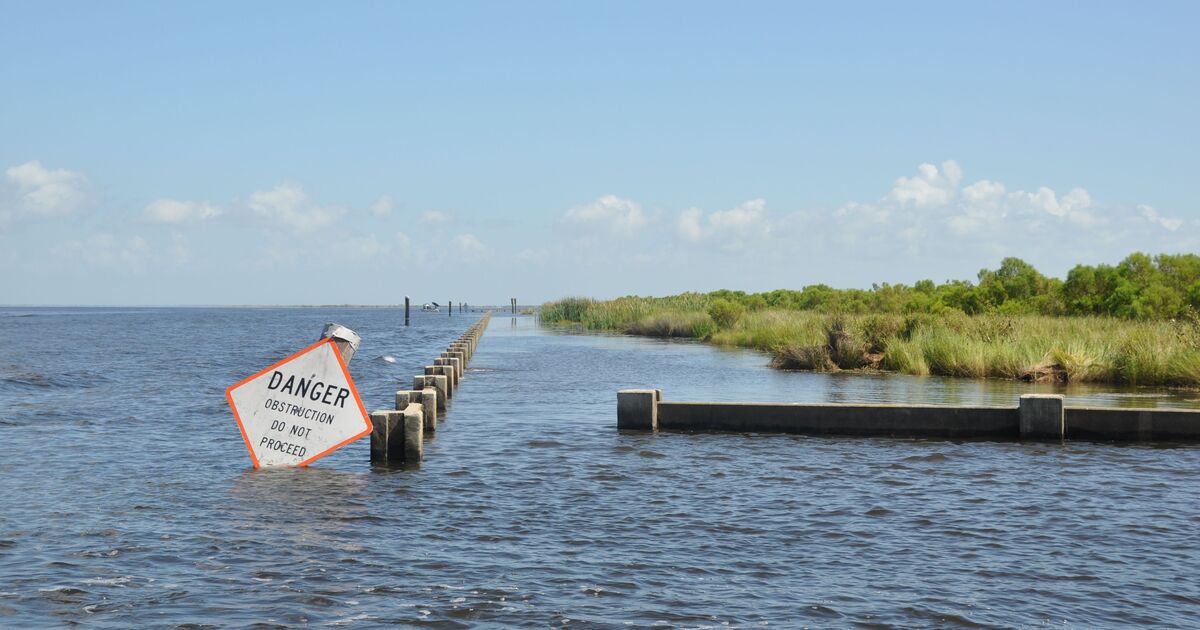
x: 1094, y: 349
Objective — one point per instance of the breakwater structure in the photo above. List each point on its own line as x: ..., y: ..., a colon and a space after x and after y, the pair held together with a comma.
x: 1041, y: 417
x: 398, y: 434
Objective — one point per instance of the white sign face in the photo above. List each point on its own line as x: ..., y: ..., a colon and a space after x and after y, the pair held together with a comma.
x: 300, y: 409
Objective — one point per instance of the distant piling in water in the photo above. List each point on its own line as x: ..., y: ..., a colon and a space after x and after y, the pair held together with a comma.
x: 399, y: 434
x: 1037, y: 417
x: 407, y: 308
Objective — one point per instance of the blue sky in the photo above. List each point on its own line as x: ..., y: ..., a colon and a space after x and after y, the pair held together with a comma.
x: 283, y: 153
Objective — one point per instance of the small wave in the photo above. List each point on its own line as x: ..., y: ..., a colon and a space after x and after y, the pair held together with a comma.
x: 608, y: 477
x: 113, y: 581
x: 933, y: 457
x: 29, y: 380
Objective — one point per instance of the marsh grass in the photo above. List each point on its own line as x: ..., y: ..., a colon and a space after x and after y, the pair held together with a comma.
x: 1031, y: 347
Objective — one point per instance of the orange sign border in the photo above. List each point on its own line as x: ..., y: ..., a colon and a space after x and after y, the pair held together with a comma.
x: 349, y: 381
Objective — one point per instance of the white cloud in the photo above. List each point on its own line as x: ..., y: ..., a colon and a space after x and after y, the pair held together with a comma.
x: 174, y: 211
x: 1045, y: 200
x: 621, y: 216
x: 470, y: 249
x: 31, y: 190
x: 982, y: 205
x: 1154, y: 217
x: 382, y: 206
x: 864, y: 212
x: 468, y: 243
x: 730, y: 229
x: 289, y: 206
x: 929, y: 188
x: 433, y: 217
x: 983, y: 192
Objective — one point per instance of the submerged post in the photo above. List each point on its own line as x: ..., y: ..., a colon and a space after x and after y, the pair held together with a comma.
x: 1042, y: 417
x: 407, y: 305
x: 637, y: 409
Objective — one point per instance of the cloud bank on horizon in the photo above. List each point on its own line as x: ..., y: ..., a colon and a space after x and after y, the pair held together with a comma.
x: 935, y: 219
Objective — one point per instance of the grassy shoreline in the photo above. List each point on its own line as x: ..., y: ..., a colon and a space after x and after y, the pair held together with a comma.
x: 1088, y: 349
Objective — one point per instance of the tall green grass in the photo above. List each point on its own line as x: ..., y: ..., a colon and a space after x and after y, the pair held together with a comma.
x: 1065, y: 349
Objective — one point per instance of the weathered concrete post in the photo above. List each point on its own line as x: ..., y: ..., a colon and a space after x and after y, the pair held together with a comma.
x: 429, y: 404
x: 637, y: 409
x: 346, y: 340
x: 414, y: 433
x: 438, y: 382
x: 1041, y: 417
x: 457, y: 358
x: 445, y: 371
x: 407, y: 305
x: 404, y: 398
x: 387, y: 437
x: 454, y: 363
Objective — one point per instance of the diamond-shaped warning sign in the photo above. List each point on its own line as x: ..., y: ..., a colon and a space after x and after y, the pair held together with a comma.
x: 300, y: 409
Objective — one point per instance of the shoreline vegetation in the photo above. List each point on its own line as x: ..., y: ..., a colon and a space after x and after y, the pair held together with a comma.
x: 1134, y: 323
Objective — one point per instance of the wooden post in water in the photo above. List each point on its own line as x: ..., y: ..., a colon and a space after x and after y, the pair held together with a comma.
x: 450, y: 308
x: 407, y: 305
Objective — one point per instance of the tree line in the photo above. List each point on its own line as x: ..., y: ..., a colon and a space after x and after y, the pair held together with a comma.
x: 1166, y: 286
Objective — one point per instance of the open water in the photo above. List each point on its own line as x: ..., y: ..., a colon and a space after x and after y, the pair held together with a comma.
x: 127, y: 498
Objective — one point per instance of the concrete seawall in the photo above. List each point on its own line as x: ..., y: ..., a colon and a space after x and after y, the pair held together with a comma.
x: 1035, y: 417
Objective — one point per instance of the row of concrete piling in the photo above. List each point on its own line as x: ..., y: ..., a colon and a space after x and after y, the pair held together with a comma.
x: 399, y: 434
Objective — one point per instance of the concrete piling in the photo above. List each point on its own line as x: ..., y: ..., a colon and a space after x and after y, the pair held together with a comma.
x: 1041, y: 417
x: 387, y: 438
x: 451, y: 378
x: 429, y: 398
x: 438, y: 383
x: 455, y: 358
x: 637, y: 409
x: 404, y: 398
x: 398, y: 434
x: 452, y: 363
x: 414, y: 433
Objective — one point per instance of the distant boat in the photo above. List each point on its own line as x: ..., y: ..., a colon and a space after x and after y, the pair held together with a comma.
x: 431, y: 307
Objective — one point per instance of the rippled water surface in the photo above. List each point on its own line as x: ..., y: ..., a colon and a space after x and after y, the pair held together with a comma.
x: 127, y: 500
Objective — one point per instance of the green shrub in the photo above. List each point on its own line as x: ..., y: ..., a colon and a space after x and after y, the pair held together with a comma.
x: 725, y: 313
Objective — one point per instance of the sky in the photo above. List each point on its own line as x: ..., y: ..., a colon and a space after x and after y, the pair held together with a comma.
x: 168, y: 153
